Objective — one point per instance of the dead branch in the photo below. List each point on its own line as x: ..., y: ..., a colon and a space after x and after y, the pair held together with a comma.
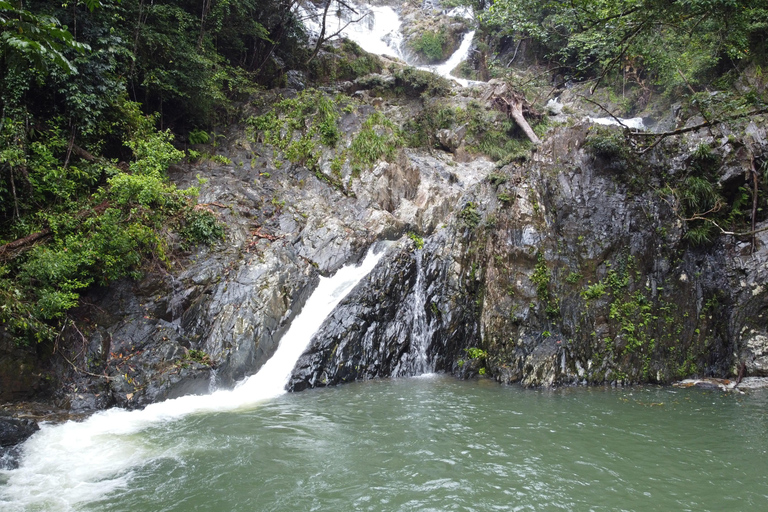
x: 258, y: 234
x: 663, y: 135
x: 598, y: 105
x: 512, y: 104
x: 7, y: 250
x: 12, y: 249
x: 86, y: 372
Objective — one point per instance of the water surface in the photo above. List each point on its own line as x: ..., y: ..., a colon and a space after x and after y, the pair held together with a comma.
x: 437, y: 443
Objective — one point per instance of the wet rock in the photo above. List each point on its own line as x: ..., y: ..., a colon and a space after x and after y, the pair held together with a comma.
x: 755, y: 353
x: 13, y: 432
x: 406, y: 318
x: 296, y: 80
x: 20, y: 374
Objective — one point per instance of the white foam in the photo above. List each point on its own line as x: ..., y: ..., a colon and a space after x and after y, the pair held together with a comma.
x: 79, y: 462
x: 635, y: 123
x: 454, y: 60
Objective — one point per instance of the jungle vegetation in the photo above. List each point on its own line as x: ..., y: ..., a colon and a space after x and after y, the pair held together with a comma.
x: 96, y: 95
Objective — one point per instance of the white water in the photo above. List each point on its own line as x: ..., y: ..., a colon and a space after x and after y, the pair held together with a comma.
x: 417, y: 361
x: 454, y: 60
x: 635, y: 123
x: 65, y: 465
x: 379, y: 33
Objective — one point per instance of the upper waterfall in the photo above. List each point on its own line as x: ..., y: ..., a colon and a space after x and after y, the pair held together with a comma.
x: 377, y: 30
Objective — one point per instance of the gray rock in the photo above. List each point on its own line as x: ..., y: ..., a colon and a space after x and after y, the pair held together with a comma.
x: 13, y: 432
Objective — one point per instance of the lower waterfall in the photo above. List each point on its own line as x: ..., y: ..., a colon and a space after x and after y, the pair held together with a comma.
x: 78, y: 462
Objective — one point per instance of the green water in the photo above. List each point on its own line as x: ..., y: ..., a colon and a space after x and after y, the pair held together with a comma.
x: 442, y: 444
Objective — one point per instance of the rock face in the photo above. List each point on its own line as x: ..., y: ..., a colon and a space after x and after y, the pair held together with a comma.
x: 406, y: 319
x: 219, y: 316
x: 570, y: 266
x: 13, y: 432
x: 569, y: 269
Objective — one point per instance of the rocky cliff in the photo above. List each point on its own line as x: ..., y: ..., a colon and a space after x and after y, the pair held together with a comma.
x: 570, y: 262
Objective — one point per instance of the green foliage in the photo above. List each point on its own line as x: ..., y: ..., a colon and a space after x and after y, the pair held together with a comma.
x: 296, y: 126
x: 199, y: 137
x: 573, y: 278
x: 497, y: 179
x: 418, y: 241
x: 476, y: 353
x: 379, y: 138
x: 470, y: 215
x: 198, y: 356
x: 97, y: 234
x: 36, y: 38
x: 542, y: 277
x: 420, y: 130
x: 606, y: 143
x: 673, y: 43
x: 431, y: 45
x: 201, y: 227
x: 594, y: 291
x: 413, y: 82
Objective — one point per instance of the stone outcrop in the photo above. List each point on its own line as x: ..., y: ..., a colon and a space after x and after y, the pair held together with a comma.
x: 568, y: 267
x: 13, y: 431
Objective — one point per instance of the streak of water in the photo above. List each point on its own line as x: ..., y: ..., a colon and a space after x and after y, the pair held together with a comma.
x: 78, y: 462
x: 377, y: 30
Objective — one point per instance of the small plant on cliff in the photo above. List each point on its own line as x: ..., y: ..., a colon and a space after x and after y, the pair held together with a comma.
x: 198, y: 356
x: 470, y: 215
x: 418, y: 241
x: 379, y: 138
x: 606, y: 143
x: 479, y: 355
x: 431, y: 45
x: 476, y: 353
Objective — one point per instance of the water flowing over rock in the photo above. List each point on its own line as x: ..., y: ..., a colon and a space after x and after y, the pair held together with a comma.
x: 564, y: 265
x: 13, y: 432
x: 404, y: 320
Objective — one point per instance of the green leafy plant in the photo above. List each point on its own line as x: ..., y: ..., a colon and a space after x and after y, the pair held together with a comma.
x: 199, y: 137
x: 418, y: 241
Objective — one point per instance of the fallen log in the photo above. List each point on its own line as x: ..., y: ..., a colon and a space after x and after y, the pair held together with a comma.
x: 513, y: 104
x: 12, y: 249
x: 7, y: 250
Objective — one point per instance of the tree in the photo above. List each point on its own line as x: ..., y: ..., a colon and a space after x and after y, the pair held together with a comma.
x: 36, y: 38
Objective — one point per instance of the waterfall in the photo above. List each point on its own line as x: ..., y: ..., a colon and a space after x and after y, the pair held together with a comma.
x: 376, y: 29
x: 416, y: 361
x: 378, y: 32
x: 454, y: 60
x: 80, y: 462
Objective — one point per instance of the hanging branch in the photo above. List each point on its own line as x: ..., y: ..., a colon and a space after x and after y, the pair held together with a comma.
x: 706, y: 124
x: 322, y: 39
x: 618, y: 120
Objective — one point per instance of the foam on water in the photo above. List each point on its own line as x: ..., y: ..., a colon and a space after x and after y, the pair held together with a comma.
x: 79, y: 462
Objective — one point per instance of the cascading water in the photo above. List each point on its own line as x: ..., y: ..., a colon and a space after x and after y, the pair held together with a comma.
x: 454, y: 60
x: 65, y: 465
x: 376, y: 29
x: 417, y: 362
